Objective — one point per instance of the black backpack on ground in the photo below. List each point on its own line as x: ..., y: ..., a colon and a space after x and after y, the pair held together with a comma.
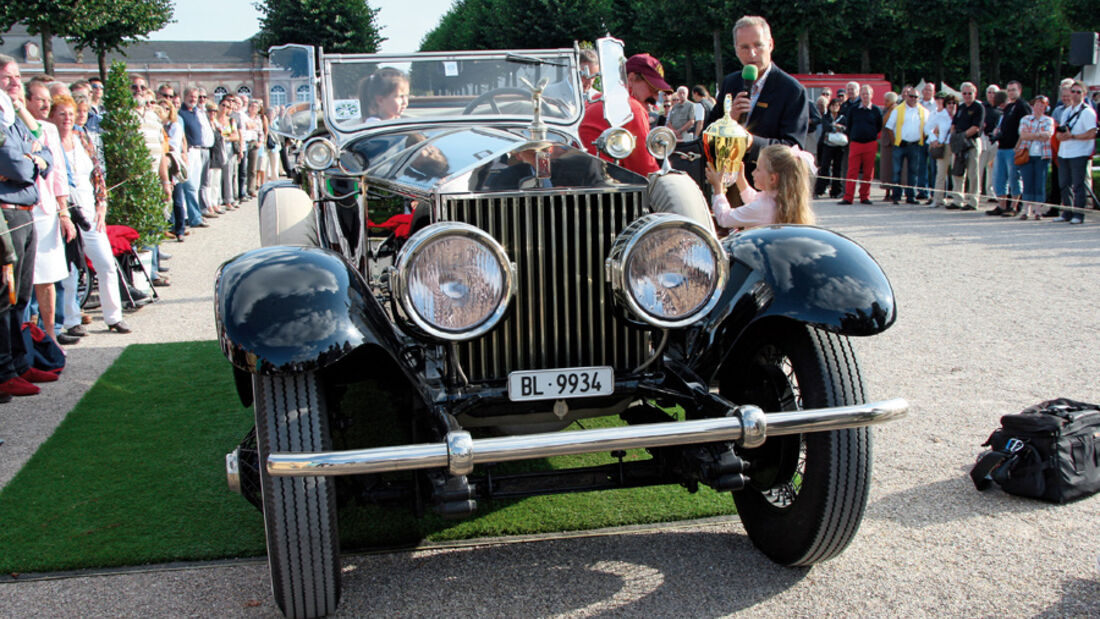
x: 1049, y: 451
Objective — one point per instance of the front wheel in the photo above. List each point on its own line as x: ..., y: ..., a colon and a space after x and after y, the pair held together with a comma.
x: 303, y: 551
x: 808, y: 492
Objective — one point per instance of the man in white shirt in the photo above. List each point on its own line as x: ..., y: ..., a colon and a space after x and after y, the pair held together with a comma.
x: 907, y: 126
x: 926, y: 169
x: 928, y: 96
x: 1076, y: 136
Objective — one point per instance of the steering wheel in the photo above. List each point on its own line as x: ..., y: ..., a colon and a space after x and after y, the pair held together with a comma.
x: 490, y: 99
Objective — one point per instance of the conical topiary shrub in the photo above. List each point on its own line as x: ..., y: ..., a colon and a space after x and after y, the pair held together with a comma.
x: 136, y: 198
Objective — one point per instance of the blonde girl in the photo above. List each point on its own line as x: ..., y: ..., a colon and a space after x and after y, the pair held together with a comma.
x: 782, y: 176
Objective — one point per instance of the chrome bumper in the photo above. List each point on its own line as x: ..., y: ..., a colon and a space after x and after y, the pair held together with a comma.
x: 747, y: 425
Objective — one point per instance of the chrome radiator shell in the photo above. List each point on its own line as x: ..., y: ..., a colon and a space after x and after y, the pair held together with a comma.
x: 562, y: 314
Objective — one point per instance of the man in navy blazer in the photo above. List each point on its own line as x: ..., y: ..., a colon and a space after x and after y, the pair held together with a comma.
x: 777, y: 109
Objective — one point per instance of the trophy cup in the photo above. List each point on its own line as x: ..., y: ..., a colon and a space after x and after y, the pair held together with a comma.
x: 725, y: 143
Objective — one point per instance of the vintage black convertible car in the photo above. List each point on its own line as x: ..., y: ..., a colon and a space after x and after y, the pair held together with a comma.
x: 528, y: 285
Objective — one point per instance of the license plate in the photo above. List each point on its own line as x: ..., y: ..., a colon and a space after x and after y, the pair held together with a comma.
x: 559, y: 384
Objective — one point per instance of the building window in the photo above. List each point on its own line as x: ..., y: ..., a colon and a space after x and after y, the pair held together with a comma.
x: 219, y: 93
x: 276, y: 96
x: 244, y: 91
x: 303, y: 94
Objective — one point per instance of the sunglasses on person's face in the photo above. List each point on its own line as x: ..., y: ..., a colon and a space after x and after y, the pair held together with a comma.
x: 1078, y: 92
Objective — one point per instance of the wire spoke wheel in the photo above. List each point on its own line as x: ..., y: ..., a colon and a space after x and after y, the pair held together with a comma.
x: 807, y: 493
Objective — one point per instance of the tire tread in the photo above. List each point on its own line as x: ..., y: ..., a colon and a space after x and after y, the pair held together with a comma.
x: 302, y: 536
x: 843, y: 456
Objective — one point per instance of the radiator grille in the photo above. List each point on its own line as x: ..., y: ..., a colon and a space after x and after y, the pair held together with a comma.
x: 562, y: 314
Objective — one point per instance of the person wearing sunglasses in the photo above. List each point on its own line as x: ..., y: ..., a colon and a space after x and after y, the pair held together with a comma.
x: 590, y: 70
x: 1076, y: 137
x: 96, y: 97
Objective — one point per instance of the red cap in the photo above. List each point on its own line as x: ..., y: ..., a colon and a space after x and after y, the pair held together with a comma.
x: 650, y: 68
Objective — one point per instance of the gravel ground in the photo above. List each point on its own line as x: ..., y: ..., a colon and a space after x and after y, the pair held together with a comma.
x: 994, y: 316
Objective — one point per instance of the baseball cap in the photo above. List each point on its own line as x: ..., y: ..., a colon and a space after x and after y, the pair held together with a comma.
x: 649, y: 68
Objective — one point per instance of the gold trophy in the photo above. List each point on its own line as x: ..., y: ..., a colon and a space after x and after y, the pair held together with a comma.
x: 725, y: 143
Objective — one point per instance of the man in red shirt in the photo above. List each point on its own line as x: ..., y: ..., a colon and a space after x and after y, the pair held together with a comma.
x: 645, y: 78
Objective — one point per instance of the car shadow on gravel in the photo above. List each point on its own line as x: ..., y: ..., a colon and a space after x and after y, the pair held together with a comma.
x: 1079, y: 598
x: 948, y: 500
x: 692, y: 574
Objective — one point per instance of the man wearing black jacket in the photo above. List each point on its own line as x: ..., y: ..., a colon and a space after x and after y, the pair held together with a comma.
x: 965, y: 144
x: 776, y: 107
x: 1006, y: 178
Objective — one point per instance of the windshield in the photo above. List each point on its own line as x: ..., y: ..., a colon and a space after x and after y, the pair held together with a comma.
x: 365, y: 90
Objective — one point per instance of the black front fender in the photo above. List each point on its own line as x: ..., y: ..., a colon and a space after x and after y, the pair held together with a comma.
x: 295, y: 309
x: 802, y: 273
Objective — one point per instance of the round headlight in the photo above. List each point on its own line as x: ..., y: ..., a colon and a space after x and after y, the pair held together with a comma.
x: 319, y: 154
x: 661, y: 142
x: 668, y: 269
x: 616, y: 143
x: 454, y: 281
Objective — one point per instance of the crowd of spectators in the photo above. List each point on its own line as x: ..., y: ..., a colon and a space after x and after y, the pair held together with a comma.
x: 950, y: 151
x: 208, y: 156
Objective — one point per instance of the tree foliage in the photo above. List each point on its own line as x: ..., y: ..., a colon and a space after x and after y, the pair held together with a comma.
x: 137, y: 200
x: 343, y: 26
x: 113, y: 24
x: 907, y: 40
x: 46, y: 18
x: 99, y: 25
x: 519, y: 24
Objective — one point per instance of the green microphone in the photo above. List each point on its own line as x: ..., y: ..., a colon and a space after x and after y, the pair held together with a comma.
x: 748, y: 76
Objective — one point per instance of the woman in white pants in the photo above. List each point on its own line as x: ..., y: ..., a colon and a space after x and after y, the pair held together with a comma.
x: 214, y: 187
x: 936, y: 134
x: 90, y: 196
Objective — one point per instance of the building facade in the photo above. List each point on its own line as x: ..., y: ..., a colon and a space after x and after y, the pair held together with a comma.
x: 220, y: 67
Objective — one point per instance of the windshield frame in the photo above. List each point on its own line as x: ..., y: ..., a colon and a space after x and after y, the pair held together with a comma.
x: 345, y: 132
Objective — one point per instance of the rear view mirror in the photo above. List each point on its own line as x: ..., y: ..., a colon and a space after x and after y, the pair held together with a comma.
x: 292, y: 69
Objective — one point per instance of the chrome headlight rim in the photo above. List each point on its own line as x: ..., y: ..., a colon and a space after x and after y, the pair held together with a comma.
x: 661, y: 142
x: 611, y: 143
x: 424, y: 238
x: 627, y: 242
x: 319, y: 153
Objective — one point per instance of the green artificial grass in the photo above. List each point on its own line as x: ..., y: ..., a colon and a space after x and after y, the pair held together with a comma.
x: 135, y: 474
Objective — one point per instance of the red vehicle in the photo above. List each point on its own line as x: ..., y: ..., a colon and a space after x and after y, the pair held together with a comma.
x: 815, y: 82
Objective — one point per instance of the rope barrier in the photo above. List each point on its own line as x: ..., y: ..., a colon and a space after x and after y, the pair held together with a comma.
x: 65, y: 209
x: 961, y: 195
